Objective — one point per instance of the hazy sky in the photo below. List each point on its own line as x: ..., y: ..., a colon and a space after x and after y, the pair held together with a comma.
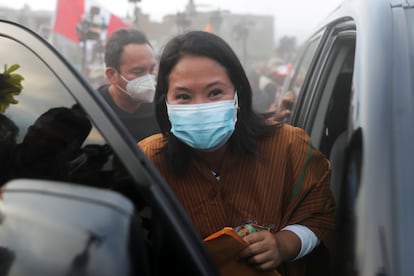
x: 292, y: 17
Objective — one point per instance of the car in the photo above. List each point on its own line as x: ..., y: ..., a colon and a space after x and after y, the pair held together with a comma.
x: 77, y: 195
x: 355, y: 98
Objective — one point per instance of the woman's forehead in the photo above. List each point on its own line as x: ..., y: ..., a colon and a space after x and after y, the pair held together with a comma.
x: 198, y: 68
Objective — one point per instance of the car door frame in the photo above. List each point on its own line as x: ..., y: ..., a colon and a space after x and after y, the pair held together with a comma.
x: 337, y: 44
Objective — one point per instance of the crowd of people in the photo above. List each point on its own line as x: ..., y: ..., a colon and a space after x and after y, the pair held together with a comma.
x: 218, y: 135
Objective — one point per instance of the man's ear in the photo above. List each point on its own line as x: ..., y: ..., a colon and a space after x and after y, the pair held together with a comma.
x: 111, y: 75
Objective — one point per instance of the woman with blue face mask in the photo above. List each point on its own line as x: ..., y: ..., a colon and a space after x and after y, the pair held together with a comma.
x: 230, y: 166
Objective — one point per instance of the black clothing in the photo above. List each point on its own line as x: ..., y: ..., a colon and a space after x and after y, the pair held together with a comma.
x: 141, y: 123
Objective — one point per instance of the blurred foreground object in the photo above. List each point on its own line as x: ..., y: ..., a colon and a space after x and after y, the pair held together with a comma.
x: 10, y: 86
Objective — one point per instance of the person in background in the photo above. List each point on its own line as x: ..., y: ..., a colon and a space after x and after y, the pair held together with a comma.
x: 284, y: 112
x: 130, y: 64
x: 262, y: 96
x: 229, y: 166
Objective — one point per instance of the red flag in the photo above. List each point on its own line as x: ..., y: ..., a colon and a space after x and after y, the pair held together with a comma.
x: 76, y: 18
x: 68, y: 15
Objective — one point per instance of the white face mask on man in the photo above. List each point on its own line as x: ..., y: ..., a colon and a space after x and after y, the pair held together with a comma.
x: 141, y: 89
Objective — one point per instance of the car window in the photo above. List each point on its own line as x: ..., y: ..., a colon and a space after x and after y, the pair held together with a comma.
x: 325, y: 99
x: 50, y: 135
x: 301, y: 68
x: 325, y: 84
x: 294, y: 82
x: 331, y: 117
x: 326, y: 104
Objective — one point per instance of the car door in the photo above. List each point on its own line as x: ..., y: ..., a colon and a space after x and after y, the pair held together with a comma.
x: 355, y: 102
x: 322, y: 83
x: 59, y: 130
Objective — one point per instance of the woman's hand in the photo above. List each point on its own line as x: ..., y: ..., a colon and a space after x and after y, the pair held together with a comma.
x: 266, y: 251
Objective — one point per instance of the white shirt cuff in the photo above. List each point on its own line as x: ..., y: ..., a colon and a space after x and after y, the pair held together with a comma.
x: 308, y: 239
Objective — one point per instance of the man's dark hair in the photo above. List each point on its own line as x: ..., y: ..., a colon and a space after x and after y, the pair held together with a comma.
x: 115, y: 45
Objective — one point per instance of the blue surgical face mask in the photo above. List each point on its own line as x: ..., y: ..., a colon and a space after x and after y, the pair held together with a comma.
x: 205, y: 126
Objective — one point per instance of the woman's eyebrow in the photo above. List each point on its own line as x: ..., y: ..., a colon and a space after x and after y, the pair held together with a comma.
x: 182, y: 89
x: 209, y: 85
x: 213, y: 84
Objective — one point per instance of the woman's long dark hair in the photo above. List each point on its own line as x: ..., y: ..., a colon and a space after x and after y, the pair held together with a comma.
x: 249, y: 124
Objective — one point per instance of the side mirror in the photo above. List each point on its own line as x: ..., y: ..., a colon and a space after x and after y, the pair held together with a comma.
x: 53, y: 228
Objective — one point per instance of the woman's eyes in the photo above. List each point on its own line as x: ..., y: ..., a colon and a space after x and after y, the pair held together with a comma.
x: 215, y: 93
x: 182, y: 97
x: 212, y: 95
